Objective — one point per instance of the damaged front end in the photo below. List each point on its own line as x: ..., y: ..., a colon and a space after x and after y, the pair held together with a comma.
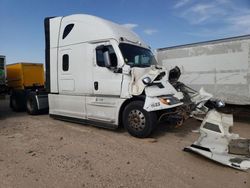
x: 160, y: 96
x: 152, y: 82
x: 172, y: 100
x: 218, y: 144
x: 196, y: 103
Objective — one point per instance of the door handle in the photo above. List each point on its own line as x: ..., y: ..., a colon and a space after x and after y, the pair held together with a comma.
x: 96, y: 85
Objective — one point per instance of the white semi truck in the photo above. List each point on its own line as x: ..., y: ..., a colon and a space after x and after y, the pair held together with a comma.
x: 221, y: 66
x: 101, y: 73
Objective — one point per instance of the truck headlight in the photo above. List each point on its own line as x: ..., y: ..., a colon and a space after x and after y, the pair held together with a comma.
x: 170, y: 100
x: 165, y: 101
x: 146, y: 80
x: 220, y: 104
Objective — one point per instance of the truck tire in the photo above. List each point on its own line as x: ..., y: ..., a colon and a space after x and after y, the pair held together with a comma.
x: 31, y: 104
x: 17, y: 100
x: 137, y: 121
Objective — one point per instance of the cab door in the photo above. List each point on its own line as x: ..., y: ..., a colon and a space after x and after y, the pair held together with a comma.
x: 106, y: 83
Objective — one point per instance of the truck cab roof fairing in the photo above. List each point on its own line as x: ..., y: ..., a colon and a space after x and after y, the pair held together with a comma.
x: 88, y: 28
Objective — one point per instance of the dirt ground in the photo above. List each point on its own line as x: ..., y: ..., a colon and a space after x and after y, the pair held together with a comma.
x: 38, y: 151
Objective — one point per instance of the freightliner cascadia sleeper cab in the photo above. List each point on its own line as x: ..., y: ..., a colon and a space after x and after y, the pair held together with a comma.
x: 101, y: 73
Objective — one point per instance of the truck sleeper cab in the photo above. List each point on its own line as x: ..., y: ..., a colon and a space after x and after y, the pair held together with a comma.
x: 101, y: 73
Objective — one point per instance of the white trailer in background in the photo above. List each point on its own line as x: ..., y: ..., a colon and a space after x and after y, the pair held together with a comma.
x: 222, y: 67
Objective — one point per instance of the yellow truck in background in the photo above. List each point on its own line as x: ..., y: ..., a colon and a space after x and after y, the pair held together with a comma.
x: 25, y: 75
x: 24, y: 80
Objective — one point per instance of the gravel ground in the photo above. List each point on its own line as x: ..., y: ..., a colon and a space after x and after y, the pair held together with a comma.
x: 38, y: 151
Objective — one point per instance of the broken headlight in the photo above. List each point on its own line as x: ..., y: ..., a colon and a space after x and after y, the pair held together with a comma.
x: 169, y: 100
x: 220, y: 104
x: 146, y: 80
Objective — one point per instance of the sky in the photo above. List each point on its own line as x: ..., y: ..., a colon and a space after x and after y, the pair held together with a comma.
x: 160, y: 23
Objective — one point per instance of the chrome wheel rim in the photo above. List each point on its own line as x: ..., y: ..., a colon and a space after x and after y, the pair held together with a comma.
x: 136, y: 120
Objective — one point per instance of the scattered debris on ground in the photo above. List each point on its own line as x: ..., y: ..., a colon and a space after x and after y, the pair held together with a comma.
x: 218, y: 144
x: 74, y: 155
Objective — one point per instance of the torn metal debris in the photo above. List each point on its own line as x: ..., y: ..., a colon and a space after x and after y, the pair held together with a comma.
x: 218, y: 144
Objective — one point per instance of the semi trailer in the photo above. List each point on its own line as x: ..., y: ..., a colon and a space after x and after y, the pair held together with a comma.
x: 221, y: 66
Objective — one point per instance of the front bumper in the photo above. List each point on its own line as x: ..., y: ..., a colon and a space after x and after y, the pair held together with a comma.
x: 158, y: 103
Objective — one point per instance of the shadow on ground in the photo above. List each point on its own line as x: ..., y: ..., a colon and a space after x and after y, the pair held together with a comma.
x: 6, y: 112
x: 164, y: 128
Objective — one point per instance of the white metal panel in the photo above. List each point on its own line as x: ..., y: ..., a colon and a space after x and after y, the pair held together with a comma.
x: 236, y: 78
x: 54, y: 31
x: 80, y: 69
x: 67, y: 105
x: 92, y: 28
x: 53, y: 71
x: 215, y: 141
x: 222, y: 68
x: 109, y: 82
x: 54, y: 34
x: 216, y: 61
x: 68, y: 84
x: 104, y: 109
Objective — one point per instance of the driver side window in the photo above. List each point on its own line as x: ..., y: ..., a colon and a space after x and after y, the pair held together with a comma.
x: 100, y: 55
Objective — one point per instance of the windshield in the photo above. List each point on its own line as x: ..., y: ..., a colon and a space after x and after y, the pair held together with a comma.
x: 136, y: 56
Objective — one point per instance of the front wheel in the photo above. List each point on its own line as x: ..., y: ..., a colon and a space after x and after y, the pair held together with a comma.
x: 137, y: 121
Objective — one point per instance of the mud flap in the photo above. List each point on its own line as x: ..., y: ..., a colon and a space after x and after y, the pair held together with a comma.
x: 218, y: 144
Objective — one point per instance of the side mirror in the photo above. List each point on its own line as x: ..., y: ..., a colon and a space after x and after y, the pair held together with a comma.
x: 107, y: 60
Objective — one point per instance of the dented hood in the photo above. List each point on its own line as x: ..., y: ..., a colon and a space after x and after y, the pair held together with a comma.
x: 137, y: 86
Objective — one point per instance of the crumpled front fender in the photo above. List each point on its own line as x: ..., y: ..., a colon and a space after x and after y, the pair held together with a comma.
x: 137, y: 86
